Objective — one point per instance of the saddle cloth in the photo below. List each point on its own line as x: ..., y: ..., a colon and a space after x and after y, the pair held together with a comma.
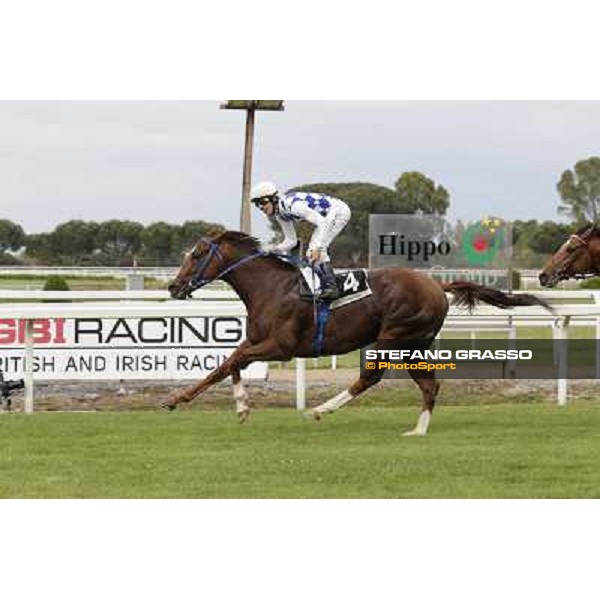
x: 352, y: 285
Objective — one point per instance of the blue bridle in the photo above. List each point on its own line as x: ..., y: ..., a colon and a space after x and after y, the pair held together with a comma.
x: 197, y: 280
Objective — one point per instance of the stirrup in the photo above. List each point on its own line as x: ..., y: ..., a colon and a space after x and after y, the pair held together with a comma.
x: 329, y: 293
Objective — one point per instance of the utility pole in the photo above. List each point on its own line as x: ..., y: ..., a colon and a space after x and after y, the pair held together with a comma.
x: 250, y: 106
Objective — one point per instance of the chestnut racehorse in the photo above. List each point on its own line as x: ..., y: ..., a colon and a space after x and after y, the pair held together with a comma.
x: 577, y: 258
x: 404, y: 305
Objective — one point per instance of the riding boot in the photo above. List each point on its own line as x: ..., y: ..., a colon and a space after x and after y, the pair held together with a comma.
x: 329, y: 290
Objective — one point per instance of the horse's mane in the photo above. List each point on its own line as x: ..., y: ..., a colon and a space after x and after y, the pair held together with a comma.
x: 247, y: 243
x: 595, y: 231
x: 240, y: 240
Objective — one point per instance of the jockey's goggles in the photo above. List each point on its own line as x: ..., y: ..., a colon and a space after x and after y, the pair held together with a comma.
x: 263, y: 201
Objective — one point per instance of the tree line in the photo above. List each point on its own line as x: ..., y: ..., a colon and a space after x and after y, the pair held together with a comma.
x: 109, y: 243
x: 414, y: 192
x: 125, y: 243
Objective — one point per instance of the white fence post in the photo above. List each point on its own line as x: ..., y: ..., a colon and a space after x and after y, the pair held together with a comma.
x: 28, y: 375
x: 300, y: 383
x: 512, y: 338
x: 563, y: 360
x: 597, y: 301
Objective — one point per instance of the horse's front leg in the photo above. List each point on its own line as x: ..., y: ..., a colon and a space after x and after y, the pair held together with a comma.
x: 241, y: 358
x: 240, y: 395
x: 220, y: 373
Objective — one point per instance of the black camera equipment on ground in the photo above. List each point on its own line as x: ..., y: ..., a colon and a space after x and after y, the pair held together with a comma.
x: 7, y: 387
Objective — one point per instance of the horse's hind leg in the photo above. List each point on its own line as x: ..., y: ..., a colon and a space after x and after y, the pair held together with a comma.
x: 429, y: 389
x: 365, y: 381
x: 240, y: 395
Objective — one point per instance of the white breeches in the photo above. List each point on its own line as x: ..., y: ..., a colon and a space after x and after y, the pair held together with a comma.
x: 324, y: 234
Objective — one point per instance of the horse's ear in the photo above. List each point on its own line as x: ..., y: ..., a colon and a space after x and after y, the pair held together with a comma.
x: 589, y: 232
x: 215, y: 234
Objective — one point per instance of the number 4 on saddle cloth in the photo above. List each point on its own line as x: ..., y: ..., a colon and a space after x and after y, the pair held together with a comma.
x: 352, y: 285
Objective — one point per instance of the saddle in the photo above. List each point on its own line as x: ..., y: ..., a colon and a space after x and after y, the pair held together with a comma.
x: 352, y: 285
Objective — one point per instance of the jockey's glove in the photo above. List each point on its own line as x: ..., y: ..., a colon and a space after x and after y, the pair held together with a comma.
x: 313, y: 254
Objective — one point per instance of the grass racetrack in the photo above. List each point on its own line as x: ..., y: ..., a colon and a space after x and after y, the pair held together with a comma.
x: 480, y: 451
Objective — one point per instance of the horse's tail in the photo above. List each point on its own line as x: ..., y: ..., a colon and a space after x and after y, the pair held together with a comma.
x: 467, y: 293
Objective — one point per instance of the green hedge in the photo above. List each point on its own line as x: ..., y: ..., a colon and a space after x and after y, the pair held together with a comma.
x: 56, y: 283
x: 516, y: 279
x: 590, y: 284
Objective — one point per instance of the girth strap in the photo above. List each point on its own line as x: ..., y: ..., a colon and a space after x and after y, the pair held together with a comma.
x: 323, y: 310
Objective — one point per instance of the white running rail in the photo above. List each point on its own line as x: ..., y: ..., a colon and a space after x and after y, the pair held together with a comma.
x: 149, y: 303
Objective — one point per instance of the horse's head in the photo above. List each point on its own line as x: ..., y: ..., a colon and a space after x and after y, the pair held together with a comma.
x: 574, y: 258
x: 200, y: 266
x: 211, y: 258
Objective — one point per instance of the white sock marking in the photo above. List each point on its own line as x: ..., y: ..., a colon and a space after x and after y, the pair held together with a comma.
x: 240, y: 396
x: 239, y: 391
x: 335, y: 402
x: 423, y: 423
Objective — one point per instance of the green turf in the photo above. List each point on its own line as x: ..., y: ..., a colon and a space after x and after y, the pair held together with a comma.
x: 75, y: 283
x: 36, y: 282
x: 524, y: 451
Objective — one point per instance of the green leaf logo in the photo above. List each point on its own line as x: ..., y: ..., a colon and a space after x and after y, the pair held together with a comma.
x: 482, y: 241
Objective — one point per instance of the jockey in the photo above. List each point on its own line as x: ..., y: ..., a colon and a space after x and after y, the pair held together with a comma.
x: 328, y: 215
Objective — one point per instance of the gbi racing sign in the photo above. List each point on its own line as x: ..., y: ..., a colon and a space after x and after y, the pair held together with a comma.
x: 124, y: 348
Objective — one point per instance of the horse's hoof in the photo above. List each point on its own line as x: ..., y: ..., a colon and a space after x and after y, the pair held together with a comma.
x: 312, y: 415
x: 414, y: 433
x: 168, y: 405
x: 243, y: 416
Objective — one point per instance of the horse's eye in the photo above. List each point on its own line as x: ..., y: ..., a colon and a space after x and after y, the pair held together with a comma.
x: 571, y: 248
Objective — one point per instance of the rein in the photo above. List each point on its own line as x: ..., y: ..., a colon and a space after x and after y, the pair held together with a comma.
x: 197, y: 280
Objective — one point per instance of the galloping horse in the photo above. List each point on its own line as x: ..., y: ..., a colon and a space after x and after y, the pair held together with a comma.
x: 404, y: 305
x: 577, y: 258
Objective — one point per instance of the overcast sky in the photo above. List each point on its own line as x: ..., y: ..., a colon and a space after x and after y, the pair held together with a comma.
x: 177, y: 161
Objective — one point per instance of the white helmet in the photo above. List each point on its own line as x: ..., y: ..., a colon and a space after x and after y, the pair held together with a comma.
x: 265, y: 190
